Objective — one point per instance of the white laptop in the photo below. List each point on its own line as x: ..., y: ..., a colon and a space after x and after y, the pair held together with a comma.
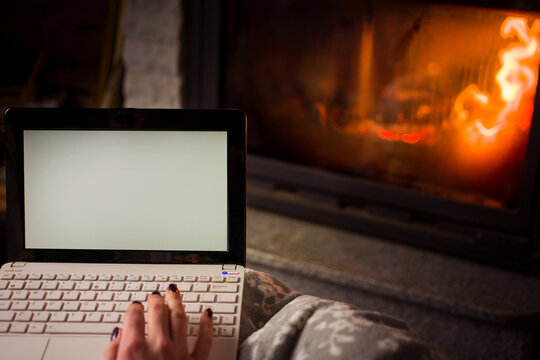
x: 105, y: 206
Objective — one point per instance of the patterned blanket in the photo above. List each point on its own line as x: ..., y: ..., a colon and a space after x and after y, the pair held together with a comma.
x: 278, y: 324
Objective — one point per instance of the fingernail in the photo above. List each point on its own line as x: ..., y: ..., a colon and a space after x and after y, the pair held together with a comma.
x: 173, y: 288
x: 209, y: 313
x: 114, y: 333
x: 137, y: 302
x: 156, y: 293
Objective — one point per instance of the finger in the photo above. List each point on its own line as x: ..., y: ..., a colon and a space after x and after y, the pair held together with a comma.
x: 133, y: 343
x: 158, y: 318
x: 177, y: 315
x: 112, y: 349
x: 204, y: 340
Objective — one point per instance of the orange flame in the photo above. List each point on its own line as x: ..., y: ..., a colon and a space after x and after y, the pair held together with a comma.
x: 480, y: 118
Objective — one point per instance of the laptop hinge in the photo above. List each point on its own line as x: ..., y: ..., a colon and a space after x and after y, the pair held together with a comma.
x: 228, y: 267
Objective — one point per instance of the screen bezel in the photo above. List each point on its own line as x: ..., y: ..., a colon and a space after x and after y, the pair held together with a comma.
x: 231, y: 121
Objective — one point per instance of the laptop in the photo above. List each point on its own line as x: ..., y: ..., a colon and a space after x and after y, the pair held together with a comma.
x: 105, y: 206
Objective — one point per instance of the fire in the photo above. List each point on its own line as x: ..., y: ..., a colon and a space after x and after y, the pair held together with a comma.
x: 481, y: 118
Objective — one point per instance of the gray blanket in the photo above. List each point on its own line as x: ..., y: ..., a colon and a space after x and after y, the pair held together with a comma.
x: 278, y: 323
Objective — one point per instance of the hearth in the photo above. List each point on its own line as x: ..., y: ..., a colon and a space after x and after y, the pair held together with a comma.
x: 418, y: 122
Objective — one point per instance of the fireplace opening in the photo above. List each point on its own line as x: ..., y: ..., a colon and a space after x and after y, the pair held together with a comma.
x: 434, y: 98
x: 391, y: 111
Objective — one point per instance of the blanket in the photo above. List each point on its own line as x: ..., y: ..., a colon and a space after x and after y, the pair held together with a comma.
x: 278, y: 324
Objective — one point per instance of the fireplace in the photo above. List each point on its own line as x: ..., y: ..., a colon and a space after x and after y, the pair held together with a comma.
x: 417, y: 122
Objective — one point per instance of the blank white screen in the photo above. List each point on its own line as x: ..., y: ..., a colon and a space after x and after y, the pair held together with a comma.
x: 125, y: 190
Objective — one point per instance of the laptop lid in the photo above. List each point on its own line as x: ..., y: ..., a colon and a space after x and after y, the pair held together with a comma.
x: 126, y: 185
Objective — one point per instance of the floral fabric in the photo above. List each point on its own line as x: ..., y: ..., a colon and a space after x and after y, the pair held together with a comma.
x: 279, y: 324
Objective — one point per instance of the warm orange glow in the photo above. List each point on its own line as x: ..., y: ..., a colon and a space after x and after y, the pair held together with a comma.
x: 482, y: 118
x: 479, y: 117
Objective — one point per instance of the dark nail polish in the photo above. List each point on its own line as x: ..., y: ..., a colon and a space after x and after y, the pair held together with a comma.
x: 173, y: 288
x: 156, y: 293
x: 114, y: 333
x: 137, y: 302
x: 209, y: 313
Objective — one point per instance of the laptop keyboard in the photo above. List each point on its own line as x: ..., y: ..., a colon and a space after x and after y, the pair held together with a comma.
x: 95, y: 303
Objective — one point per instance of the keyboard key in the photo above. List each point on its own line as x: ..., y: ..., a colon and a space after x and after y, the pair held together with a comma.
x: 233, y: 279
x: 105, y: 277
x: 34, y: 276
x: 222, y: 308
x: 122, y: 306
x: 16, y: 285
x: 41, y: 316
x: 227, y: 331
x: 149, y: 287
x: 7, y: 315
x: 105, y: 306
x: 91, y: 277
x: 93, y: 317
x: 19, y: 305
x: 193, y: 308
x: 33, y: 285
x: 215, y: 331
x: 190, y: 297
x: 184, y: 287
x: 204, y: 278
x: 5, y: 294
x: 133, y: 286
x: 62, y: 277
x: 36, y: 295
x: 36, y: 305
x: 53, y: 306
x: 218, y: 279
x: 71, y: 295
x: 111, y: 317
x: 18, y: 327
x: 208, y: 297
x: 200, y: 287
x: 117, y: 286
x: 139, y: 297
x: 58, y: 316
x: 88, y: 296
x: 88, y: 306
x: 75, y: 317
x: 118, y: 277
x: 104, y: 296
x: 3, y: 284
x: 19, y: 295
x: 71, y: 306
x: 147, y: 278
x: 100, y: 286
x: 21, y: 276
x: 66, y: 285
x: 232, y: 288
x: 228, y: 320
x: 49, y: 276
x: 80, y: 328
x: 4, y: 326
x: 122, y: 296
x: 162, y: 278
x: 176, y: 278
x: 49, y: 285
x: 227, y: 298
x: 83, y: 286
x: 53, y: 295
x: 5, y: 305
x: 7, y: 276
x: 133, y: 277
x: 190, y: 278
x: 36, y: 328
x: 76, y: 277
x: 23, y: 316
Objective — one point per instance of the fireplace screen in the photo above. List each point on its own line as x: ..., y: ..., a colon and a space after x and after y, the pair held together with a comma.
x: 434, y: 98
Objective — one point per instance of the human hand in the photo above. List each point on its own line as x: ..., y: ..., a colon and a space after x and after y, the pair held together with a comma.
x: 167, y: 331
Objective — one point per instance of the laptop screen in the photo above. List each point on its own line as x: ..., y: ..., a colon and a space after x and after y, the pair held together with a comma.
x: 125, y: 190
